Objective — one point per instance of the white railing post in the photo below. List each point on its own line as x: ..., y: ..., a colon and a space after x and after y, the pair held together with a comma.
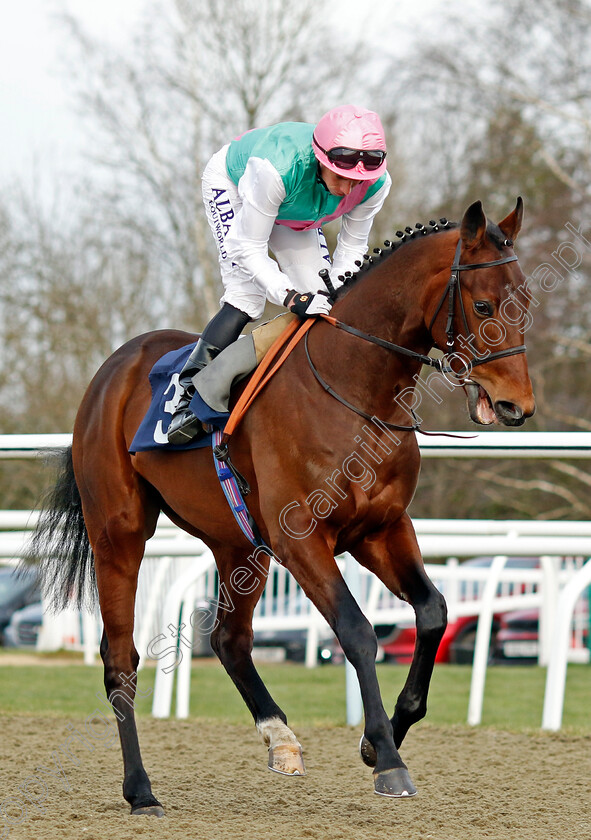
x: 547, y: 614
x: 183, y: 678
x: 89, y: 637
x: 164, y: 682
x: 312, y: 636
x: 143, y: 639
x: 483, y: 641
x: 452, y: 590
x: 556, y: 676
x: 354, y: 702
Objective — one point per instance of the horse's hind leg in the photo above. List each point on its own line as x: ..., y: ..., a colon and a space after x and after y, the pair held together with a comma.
x: 396, y: 559
x: 118, y: 522
x: 242, y: 582
x: 117, y: 562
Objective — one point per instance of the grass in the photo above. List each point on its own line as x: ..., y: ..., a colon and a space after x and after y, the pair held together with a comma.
x: 514, y: 696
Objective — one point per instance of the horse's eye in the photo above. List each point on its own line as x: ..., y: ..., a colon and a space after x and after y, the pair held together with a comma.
x: 483, y: 307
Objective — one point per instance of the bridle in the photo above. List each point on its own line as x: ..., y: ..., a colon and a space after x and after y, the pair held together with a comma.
x: 451, y: 291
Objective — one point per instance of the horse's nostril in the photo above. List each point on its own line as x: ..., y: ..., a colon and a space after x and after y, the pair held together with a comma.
x: 509, y: 413
x: 508, y: 407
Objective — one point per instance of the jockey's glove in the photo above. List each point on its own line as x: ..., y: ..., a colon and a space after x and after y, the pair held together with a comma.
x: 308, y: 304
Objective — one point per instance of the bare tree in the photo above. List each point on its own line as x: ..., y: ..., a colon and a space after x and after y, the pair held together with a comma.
x: 68, y: 297
x: 124, y: 247
x: 520, y: 58
x: 498, y: 103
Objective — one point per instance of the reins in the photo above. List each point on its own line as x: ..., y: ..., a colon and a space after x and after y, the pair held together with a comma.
x: 451, y: 291
x: 294, y: 332
x: 387, y: 345
x: 452, y: 287
x: 414, y: 428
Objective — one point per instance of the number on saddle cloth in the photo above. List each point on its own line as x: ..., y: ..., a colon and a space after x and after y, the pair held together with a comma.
x: 166, y: 392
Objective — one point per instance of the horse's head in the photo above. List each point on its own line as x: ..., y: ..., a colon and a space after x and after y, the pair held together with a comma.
x: 482, y: 318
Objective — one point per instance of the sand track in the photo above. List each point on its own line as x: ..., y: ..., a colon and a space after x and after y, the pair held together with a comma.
x: 214, y: 784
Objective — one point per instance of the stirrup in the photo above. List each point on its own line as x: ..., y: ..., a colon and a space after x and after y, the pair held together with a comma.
x: 184, y: 428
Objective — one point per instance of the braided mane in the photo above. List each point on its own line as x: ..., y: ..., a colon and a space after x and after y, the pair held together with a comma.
x: 403, y: 237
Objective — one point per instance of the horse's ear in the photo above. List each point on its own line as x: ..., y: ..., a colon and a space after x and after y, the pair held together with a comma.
x: 473, y: 227
x: 512, y: 224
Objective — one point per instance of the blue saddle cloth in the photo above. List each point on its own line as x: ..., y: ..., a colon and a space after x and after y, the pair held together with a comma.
x: 164, y: 378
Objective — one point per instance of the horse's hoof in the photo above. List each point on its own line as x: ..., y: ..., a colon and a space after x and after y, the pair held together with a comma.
x: 367, y: 752
x: 395, y: 783
x: 148, y: 811
x: 287, y: 759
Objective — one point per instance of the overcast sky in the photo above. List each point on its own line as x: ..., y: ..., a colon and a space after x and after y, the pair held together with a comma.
x: 37, y: 126
x: 34, y: 117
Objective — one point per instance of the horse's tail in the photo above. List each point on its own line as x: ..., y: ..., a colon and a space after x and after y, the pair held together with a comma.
x: 60, y: 547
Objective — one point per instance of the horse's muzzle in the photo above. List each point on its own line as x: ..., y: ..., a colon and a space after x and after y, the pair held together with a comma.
x: 484, y: 412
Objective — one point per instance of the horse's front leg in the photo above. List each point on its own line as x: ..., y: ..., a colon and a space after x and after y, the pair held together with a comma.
x: 312, y: 564
x: 232, y: 640
x: 395, y: 558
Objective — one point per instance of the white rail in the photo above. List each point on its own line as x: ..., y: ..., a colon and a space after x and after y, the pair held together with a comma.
x: 435, y: 538
x: 30, y: 446
x: 463, y: 587
x: 508, y: 444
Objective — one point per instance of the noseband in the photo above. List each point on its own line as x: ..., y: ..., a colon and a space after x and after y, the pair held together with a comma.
x: 453, y: 290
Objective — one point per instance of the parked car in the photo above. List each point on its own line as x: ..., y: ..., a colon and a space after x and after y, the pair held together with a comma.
x: 459, y: 639
x: 24, y: 626
x: 269, y: 645
x: 17, y: 590
x: 457, y: 644
x: 517, y: 640
x: 290, y: 646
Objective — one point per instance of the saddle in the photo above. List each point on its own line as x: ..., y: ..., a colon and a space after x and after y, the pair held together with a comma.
x: 263, y: 351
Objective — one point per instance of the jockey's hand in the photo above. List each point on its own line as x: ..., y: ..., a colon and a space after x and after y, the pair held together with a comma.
x: 308, y: 304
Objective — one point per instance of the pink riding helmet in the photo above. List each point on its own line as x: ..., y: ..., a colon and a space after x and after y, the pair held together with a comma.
x: 350, y: 127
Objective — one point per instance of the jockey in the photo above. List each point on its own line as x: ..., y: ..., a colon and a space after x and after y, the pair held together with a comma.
x: 273, y: 189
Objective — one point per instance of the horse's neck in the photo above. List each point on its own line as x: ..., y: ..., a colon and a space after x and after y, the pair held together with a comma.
x: 391, y: 299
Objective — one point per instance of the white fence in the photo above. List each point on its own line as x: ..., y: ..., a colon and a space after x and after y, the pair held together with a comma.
x: 470, y: 591
x: 178, y: 578
x: 508, y: 444
x: 170, y: 587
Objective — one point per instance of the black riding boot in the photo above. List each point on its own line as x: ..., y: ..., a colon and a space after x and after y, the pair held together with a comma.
x: 223, y: 329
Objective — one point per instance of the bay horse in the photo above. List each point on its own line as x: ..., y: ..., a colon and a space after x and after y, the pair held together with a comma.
x: 322, y: 480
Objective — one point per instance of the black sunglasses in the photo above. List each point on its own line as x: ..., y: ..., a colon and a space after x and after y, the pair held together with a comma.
x: 349, y: 158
